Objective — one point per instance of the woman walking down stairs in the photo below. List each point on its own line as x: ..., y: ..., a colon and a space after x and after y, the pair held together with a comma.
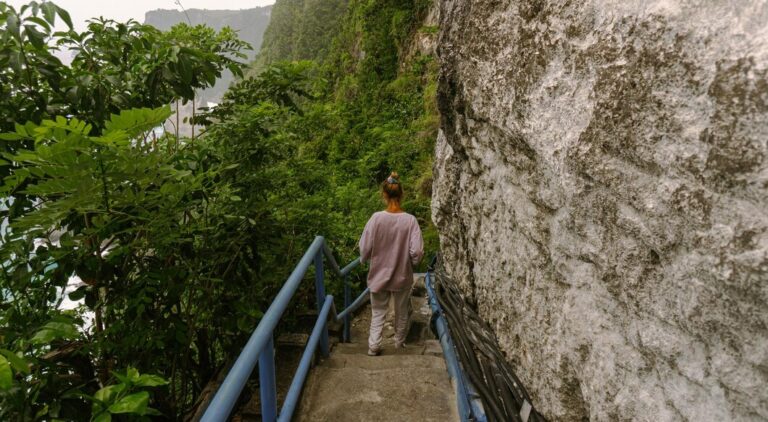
x: 396, y: 375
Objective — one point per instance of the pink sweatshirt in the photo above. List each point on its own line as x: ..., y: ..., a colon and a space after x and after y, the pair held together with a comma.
x: 393, y: 245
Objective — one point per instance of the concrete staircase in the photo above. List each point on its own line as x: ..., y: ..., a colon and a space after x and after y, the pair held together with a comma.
x: 410, y: 384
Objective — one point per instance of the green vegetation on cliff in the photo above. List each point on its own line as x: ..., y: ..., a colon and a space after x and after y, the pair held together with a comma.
x: 300, y: 30
x: 180, y: 244
x: 372, y: 110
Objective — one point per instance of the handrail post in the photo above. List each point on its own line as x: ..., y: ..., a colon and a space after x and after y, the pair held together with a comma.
x: 267, y: 385
x: 320, y: 291
x: 347, y: 298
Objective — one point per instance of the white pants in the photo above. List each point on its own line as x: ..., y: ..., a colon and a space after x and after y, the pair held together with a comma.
x: 379, y: 307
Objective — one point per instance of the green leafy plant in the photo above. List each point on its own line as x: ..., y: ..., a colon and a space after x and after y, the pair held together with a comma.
x: 28, y: 371
x: 99, y: 196
x: 129, y: 396
x: 116, y: 66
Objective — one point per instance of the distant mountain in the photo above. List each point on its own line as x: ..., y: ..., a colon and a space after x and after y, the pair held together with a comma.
x: 250, y: 24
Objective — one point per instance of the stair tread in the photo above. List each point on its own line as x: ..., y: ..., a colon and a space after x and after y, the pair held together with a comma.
x: 364, y: 361
x: 397, y: 393
x: 387, y: 349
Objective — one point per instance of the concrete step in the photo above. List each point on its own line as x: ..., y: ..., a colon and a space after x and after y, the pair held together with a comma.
x: 388, y: 348
x: 366, y: 362
x: 418, y: 390
x: 426, y: 347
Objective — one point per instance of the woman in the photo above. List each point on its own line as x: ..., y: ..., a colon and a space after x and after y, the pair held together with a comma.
x: 392, y: 243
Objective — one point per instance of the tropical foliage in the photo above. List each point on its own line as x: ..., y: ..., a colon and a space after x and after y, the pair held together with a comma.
x: 145, y: 222
x: 177, y: 244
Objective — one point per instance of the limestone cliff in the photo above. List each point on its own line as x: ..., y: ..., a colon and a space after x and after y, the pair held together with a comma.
x: 601, y: 191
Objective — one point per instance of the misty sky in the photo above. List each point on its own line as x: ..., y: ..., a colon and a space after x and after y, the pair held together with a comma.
x: 122, y: 10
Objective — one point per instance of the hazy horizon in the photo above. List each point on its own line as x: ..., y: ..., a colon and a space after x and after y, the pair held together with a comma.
x: 82, y: 10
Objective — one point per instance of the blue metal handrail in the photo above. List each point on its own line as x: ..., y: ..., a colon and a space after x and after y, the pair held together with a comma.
x: 260, y: 346
x: 467, y: 400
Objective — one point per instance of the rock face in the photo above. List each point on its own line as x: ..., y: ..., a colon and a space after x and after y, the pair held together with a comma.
x: 601, y: 190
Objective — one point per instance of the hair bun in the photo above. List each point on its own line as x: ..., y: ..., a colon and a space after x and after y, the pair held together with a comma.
x: 393, y: 179
x: 391, y: 187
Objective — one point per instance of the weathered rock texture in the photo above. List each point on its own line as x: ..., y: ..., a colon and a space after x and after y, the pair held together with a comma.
x: 601, y: 189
